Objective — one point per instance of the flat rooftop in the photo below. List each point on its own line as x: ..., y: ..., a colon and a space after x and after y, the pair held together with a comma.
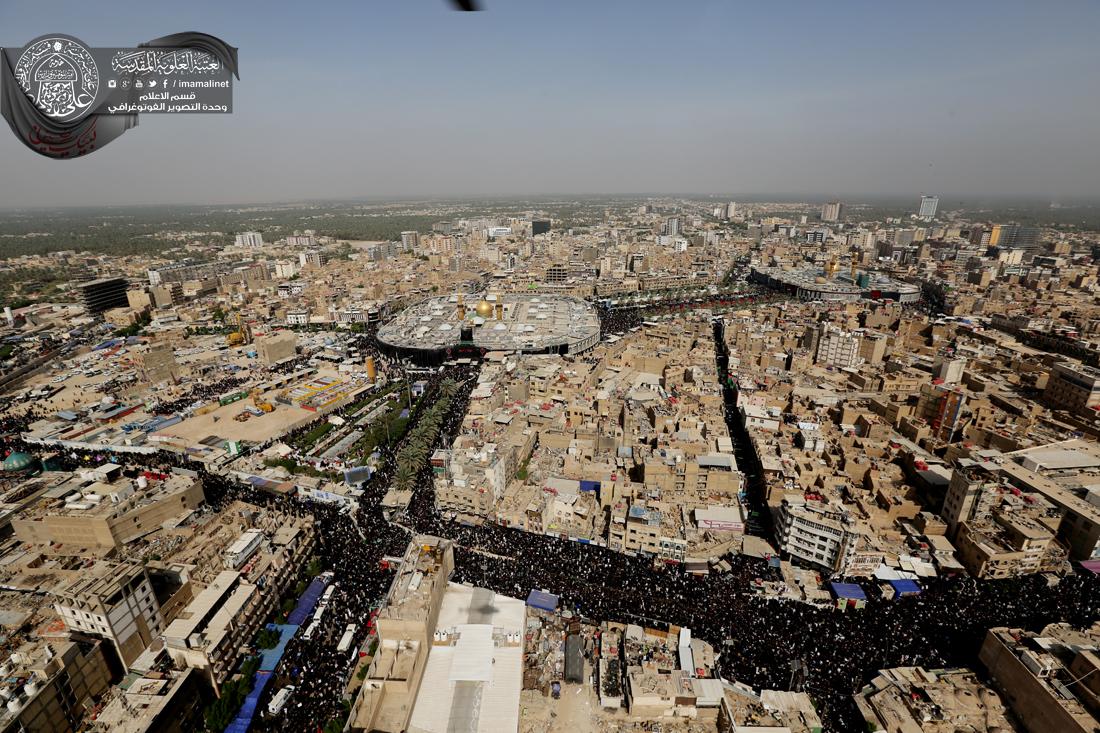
x: 411, y: 591
x: 89, y: 497
x: 473, y: 682
x: 527, y: 323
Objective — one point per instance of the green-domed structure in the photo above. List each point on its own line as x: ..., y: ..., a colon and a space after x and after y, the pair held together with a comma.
x: 20, y: 463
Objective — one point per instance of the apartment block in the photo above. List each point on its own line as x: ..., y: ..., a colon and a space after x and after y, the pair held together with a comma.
x: 114, y: 601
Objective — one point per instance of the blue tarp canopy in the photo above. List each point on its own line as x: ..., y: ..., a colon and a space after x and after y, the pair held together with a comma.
x: 905, y: 587
x: 243, y: 720
x: 309, y: 599
x: 269, y: 658
x: 849, y: 591
x: 543, y: 600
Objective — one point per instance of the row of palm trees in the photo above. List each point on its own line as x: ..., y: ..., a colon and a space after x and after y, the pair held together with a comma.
x: 419, y: 441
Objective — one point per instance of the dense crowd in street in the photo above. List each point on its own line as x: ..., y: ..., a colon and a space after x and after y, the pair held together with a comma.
x: 200, y: 393
x: 759, y: 640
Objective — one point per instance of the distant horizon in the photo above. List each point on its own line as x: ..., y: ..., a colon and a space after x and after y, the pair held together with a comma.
x: 946, y: 200
x: 386, y: 98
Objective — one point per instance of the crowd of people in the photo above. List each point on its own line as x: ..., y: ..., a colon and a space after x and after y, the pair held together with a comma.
x: 765, y: 643
x: 200, y: 393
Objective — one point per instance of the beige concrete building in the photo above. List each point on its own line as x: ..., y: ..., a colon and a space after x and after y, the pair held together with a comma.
x: 917, y: 700
x: 771, y: 711
x: 116, y: 602
x: 157, y: 702
x: 1057, y: 477
x: 646, y: 528
x: 50, y: 684
x: 1051, y: 680
x: 210, y: 633
x: 158, y: 363
x: 103, y: 513
x: 1012, y: 542
x: 276, y: 347
x: 1073, y: 387
x: 406, y: 628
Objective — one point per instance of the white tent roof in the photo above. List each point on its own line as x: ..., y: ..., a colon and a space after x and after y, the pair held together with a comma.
x: 473, y: 659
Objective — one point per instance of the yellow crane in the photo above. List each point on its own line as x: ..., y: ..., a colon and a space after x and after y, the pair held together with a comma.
x: 259, y: 402
x: 241, y: 335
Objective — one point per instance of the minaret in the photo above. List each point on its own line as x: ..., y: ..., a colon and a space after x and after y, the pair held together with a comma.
x: 461, y: 308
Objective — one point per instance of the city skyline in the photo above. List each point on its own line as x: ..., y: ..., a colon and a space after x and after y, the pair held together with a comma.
x: 420, y: 101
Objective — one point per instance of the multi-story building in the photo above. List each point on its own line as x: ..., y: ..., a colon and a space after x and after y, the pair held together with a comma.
x: 312, y: 258
x: 301, y: 240
x: 1055, y: 479
x: 817, y: 532
x: 406, y: 627
x: 1013, y: 541
x: 210, y: 632
x: 158, y: 363
x: 832, y: 211
x: 251, y: 240
x: 646, y: 528
x: 113, y: 601
x: 138, y: 299
x: 928, y: 207
x: 109, y: 513
x: 838, y: 348
x: 712, y: 474
x: 1051, y: 679
x: 160, y: 700
x: 1064, y: 474
x: 410, y: 241
x: 103, y: 294
x: 285, y: 269
x: 949, y: 370
x: 1073, y: 387
x: 298, y: 317
x: 940, y: 407
x: 1014, y: 236
x: 276, y: 347
x: 49, y: 687
x: 163, y: 296
x: 475, y: 478
x: 970, y: 493
x: 181, y: 272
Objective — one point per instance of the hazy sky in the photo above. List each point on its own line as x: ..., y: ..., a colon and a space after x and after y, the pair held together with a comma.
x: 406, y: 97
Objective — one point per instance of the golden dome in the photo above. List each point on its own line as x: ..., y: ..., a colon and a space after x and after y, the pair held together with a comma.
x: 484, y: 308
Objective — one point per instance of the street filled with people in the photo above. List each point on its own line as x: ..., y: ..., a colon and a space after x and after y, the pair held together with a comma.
x: 766, y: 643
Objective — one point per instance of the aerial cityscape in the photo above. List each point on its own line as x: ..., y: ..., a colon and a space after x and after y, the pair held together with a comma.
x: 600, y: 464
x: 539, y: 407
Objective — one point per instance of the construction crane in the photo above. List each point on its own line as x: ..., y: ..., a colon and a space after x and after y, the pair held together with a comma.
x: 241, y: 335
x: 259, y: 402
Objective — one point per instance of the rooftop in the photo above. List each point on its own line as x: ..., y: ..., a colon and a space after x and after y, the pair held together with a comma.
x: 525, y: 323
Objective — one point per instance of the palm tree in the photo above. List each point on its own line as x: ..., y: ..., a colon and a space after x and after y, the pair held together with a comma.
x: 404, y: 476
